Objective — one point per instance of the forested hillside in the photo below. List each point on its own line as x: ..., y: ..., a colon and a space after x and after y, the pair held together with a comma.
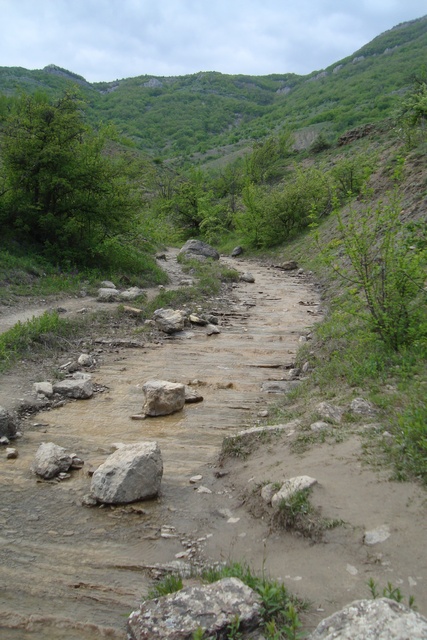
x: 217, y: 113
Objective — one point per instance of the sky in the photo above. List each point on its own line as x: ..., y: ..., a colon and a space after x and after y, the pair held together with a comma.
x: 105, y: 40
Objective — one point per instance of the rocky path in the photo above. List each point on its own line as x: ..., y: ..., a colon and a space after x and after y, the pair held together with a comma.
x: 71, y: 571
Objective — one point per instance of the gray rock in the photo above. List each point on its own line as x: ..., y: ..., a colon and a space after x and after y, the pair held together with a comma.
x: 133, y: 472
x: 362, y: 407
x: 107, y: 284
x: 108, y: 295
x: 11, y: 453
x: 291, y: 486
x: 267, y: 492
x: 212, y: 330
x: 131, y: 294
x: 319, y: 426
x: 8, y: 423
x: 247, y: 277
x: 43, y: 388
x: 194, y: 248
x: 50, y: 460
x: 192, y: 396
x: 212, y: 607
x: 79, y: 389
x: 85, y: 360
x: 237, y: 251
x: 330, y: 411
x: 169, y: 320
x: 289, y: 265
x: 380, y: 619
x: 162, y: 397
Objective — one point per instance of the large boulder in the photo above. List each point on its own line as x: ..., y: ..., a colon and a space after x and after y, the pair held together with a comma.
x: 198, y: 249
x: 381, y: 619
x: 213, y: 607
x: 133, y: 472
x: 163, y: 397
x: 169, y: 320
x: 74, y: 388
x: 51, y: 460
x: 8, y: 424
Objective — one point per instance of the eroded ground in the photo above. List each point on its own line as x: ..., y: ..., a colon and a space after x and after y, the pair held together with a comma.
x: 70, y: 571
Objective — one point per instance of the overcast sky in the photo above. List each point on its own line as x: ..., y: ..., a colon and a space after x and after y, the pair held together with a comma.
x: 111, y: 39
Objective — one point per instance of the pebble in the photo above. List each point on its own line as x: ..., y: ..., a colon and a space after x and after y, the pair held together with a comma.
x: 11, y: 453
x: 195, y: 479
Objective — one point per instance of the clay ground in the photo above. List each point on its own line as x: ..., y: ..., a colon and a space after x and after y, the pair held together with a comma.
x: 75, y: 572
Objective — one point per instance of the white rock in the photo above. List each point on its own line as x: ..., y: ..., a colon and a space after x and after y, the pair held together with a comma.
x: 169, y: 320
x: 380, y: 619
x: 44, y: 388
x: 85, y: 360
x: 131, y: 473
x: 330, y: 411
x: 291, y: 486
x: 163, y: 397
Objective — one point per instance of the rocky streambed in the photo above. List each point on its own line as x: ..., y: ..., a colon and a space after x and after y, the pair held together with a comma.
x: 72, y: 571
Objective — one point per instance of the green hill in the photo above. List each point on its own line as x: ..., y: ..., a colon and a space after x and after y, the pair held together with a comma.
x: 193, y: 114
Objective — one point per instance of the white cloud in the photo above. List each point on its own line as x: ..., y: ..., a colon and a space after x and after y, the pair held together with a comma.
x: 108, y: 39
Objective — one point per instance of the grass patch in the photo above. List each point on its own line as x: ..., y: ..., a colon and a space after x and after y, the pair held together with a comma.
x: 47, y: 331
x: 279, y: 609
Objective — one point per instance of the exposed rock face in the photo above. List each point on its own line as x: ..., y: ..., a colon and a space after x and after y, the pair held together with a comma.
x: 163, y: 397
x: 8, y: 424
x: 133, y: 472
x: 380, y: 619
x: 79, y: 389
x: 197, y: 248
x: 51, y: 460
x: 213, y: 608
x: 169, y: 320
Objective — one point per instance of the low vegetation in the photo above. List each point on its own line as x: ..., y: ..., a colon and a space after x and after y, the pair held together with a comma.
x: 279, y: 609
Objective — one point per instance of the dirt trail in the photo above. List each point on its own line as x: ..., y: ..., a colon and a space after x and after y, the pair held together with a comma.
x: 75, y: 572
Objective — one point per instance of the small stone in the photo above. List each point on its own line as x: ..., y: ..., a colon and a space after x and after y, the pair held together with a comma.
x: 202, y: 489
x: 195, y: 479
x: 11, y: 453
x: 85, y: 360
x: 376, y: 536
x: 4, y: 441
x: 212, y: 330
x: 351, y: 570
x: 319, y: 426
x: 247, y: 277
x: 233, y: 520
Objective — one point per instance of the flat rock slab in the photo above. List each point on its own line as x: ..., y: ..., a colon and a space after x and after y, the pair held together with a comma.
x: 380, y: 619
x: 279, y: 386
x: 133, y: 472
x: 163, y: 397
x: 80, y: 389
x: 212, y: 607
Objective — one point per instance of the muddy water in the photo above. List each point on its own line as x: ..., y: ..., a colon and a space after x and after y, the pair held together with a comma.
x: 70, y: 571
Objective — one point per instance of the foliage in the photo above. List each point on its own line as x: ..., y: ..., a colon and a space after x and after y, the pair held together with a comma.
x: 389, y: 591
x: 61, y: 190
x: 47, y: 330
x: 385, y: 268
x: 351, y: 173
x: 412, y: 114
x: 171, y: 583
x: 275, y: 215
x: 409, y: 452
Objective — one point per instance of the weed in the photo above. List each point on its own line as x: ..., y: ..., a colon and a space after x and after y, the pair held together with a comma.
x: 389, y: 591
x: 171, y: 583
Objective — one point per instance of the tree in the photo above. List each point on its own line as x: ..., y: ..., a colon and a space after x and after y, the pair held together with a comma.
x: 62, y: 190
